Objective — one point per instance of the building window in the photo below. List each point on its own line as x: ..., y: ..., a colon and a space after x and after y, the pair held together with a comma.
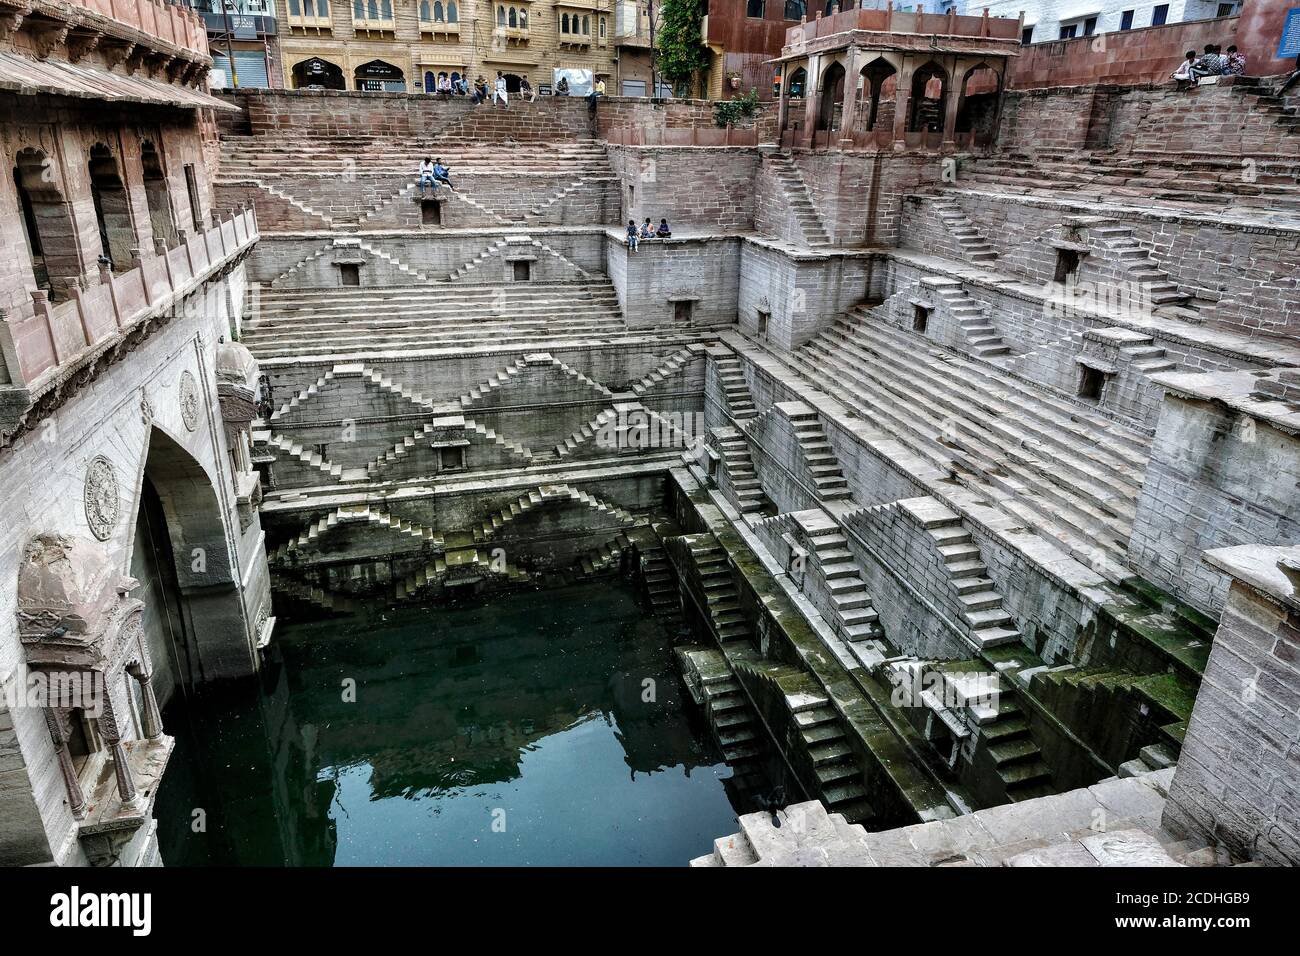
x: 453, y: 15
x: 1159, y: 15
x: 451, y: 459
x: 1069, y: 32
x: 501, y: 16
x: 755, y: 9
x: 1089, y: 26
x: 1226, y: 10
x: 1126, y: 20
x: 795, y: 9
x: 1026, y: 36
x: 349, y: 274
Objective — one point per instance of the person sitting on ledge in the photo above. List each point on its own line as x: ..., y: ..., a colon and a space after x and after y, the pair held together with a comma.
x: 631, y: 235
x: 663, y: 232
x: 647, y: 230
x: 1184, y: 77
x: 526, y: 91
x: 480, y: 91
x: 442, y: 174
x: 459, y: 86
x: 428, y: 175
x: 1236, y: 63
x: 444, y: 85
x: 562, y: 87
x: 1209, y: 63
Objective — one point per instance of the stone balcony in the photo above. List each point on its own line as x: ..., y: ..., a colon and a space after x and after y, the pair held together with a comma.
x: 47, y: 349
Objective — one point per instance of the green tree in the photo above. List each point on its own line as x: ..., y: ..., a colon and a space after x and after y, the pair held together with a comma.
x: 682, y: 53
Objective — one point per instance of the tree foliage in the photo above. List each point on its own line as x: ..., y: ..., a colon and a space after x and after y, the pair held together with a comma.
x: 682, y: 53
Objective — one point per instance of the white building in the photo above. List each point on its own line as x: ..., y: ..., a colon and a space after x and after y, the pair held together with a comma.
x: 1047, y: 20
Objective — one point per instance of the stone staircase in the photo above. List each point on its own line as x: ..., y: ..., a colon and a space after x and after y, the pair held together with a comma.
x: 606, y: 419
x: 731, y: 374
x: 721, y: 599
x: 656, y: 572
x: 355, y: 515
x: 1156, y: 288
x: 972, y: 318
x: 460, y: 561
x: 748, y: 491
x: 1070, y: 474
x: 854, y: 615
x: 488, y: 435
x: 310, y: 594
x: 670, y: 368
x: 496, y: 381
x: 829, y: 483
x: 490, y: 251
x: 799, y: 199
x: 287, y: 448
x: 974, y: 247
x: 293, y: 323
x: 548, y: 494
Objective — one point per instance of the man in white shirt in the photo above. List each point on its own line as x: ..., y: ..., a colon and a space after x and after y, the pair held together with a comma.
x: 500, y: 91
x: 427, y: 176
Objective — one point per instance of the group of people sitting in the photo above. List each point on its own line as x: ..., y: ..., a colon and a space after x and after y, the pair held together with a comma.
x: 646, y: 231
x: 434, y: 174
x: 1213, y: 62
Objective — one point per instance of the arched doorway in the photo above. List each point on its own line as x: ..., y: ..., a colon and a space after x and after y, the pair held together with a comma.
x: 512, y: 82
x: 977, y: 110
x: 928, y: 100
x: 47, y: 223
x: 182, y: 555
x: 877, y: 94
x: 378, y: 76
x: 157, y: 195
x: 830, y: 109
x: 316, y: 73
x: 112, y: 208
x: 796, y: 83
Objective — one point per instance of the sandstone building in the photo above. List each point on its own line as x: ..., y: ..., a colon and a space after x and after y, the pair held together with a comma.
x: 952, y: 434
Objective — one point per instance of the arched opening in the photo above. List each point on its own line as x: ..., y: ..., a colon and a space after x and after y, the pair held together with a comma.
x: 831, y: 106
x: 928, y: 99
x: 318, y: 74
x: 195, y: 621
x: 512, y: 82
x: 112, y: 208
x: 430, y: 81
x: 501, y: 16
x: 157, y: 195
x: 380, y: 77
x: 977, y: 109
x: 877, y: 94
x: 796, y: 83
x: 453, y: 14
x: 47, y: 223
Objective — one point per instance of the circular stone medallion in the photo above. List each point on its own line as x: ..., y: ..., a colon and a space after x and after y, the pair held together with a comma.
x: 102, y: 503
x: 189, y: 401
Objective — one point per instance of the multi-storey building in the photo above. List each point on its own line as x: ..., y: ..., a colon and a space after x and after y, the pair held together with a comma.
x: 1047, y: 20
x: 404, y: 45
x: 242, y: 35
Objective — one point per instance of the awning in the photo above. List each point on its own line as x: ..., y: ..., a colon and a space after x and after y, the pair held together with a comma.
x: 28, y: 77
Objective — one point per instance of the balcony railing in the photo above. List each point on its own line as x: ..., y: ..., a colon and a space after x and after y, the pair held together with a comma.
x: 375, y: 25
x: 172, y: 24
x: 45, y: 345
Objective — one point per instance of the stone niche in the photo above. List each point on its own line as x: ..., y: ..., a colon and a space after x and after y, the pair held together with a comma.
x: 89, y: 671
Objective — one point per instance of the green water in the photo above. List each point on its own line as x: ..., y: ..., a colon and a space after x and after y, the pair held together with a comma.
x: 545, y: 728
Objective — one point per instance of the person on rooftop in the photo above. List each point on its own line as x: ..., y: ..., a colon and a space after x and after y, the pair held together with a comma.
x: 1236, y: 62
x: 1184, y: 76
x: 663, y: 232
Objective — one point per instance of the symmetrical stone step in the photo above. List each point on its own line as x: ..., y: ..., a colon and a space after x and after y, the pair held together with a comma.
x: 747, y: 493
x: 974, y: 247
x: 731, y: 375
x: 799, y: 200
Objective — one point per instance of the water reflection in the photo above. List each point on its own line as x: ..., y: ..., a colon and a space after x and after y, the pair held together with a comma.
x: 543, y: 728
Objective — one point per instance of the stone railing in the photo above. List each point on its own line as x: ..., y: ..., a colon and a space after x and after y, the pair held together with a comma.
x: 171, y: 23
x: 41, y: 348
x: 890, y: 20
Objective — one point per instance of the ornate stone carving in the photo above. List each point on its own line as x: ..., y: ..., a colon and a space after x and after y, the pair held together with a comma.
x: 146, y: 409
x: 189, y: 401
x: 103, y: 503
x: 81, y: 45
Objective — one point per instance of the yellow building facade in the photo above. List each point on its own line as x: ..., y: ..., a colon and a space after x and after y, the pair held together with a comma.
x: 403, y: 45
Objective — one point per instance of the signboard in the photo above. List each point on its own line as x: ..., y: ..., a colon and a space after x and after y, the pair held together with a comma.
x: 1289, y: 44
x: 241, y: 26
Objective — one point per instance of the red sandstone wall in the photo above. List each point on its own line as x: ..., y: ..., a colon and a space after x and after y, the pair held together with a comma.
x: 1130, y: 57
x: 1258, y: 35
x: 627, y: 112
x: 337, y: 112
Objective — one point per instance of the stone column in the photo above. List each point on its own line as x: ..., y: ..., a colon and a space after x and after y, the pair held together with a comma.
x: 783, y: 103
x: 951, y: 104
x: 812, y: 98
x: 112, y: 734
x: 76, y: 798
x: 152, y: 716
x: 902, y: 101
x: 849, y: 111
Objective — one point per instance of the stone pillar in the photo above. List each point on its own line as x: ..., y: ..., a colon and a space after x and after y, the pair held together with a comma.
x: 1235, y: 784
x: 812, y: 98
x: 112, y: 734
x: 902, y: 101
x: 849, y: 111
x: 951, y: 103
x: 152, y: 716
x: 76, y: 798
x: 783, y: 103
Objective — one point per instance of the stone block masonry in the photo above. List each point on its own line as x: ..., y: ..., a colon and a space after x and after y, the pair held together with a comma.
x: 700, y: 186
x: 1235, y: 784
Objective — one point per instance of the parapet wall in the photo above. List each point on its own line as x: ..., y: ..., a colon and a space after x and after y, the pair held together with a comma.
x: 347, y: 112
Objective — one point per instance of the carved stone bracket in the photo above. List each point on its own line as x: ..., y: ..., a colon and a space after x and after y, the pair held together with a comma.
x: 81, y: 45
x: 116, y: 51
x: 49, y: 38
